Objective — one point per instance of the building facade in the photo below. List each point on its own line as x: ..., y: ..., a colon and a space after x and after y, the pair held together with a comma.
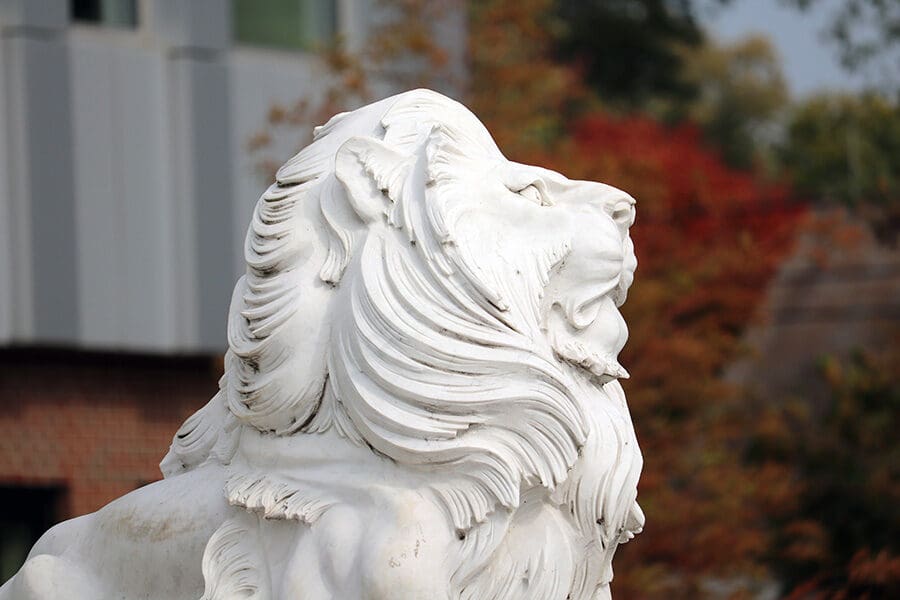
x: 125, y: 179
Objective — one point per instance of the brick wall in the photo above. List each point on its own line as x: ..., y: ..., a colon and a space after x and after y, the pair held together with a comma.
x: 94, y: 426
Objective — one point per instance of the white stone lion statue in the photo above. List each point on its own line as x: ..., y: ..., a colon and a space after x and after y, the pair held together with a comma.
x: 420, y: 398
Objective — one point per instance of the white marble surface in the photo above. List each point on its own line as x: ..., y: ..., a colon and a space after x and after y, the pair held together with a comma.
x: 420, y: 398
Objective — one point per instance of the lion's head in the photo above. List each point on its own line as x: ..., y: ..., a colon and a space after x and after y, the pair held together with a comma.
x: 414, y: 290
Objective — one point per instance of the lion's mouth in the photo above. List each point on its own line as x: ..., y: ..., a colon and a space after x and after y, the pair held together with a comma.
x: 589, y: 339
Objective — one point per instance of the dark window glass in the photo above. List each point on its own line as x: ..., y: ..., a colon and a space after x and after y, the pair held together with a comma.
x: 26, y: 514
x: 112, y: 13
x: 290, y: 24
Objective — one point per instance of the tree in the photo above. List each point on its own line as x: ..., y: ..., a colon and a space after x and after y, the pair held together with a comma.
x: 651, y: 56
x: 846, y: 149
x: 740, y: 94
x: 627, y: 48
x: 522, y: 94
x: 840, y: 538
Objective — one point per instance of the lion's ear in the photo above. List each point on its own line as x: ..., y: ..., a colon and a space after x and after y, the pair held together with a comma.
x: 372, y: 174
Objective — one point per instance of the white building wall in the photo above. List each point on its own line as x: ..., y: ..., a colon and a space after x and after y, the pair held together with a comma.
x: 39, y: 291
x: 126, y: 183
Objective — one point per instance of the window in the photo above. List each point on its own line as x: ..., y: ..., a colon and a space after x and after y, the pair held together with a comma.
x: 289, y: 24
x: 27, y: 514
x: 111, y: 13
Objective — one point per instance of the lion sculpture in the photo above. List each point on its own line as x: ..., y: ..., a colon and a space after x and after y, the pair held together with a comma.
x: 420, y: 398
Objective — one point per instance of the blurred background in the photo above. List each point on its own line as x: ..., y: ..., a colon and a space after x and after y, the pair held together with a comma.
x: 760, y: 137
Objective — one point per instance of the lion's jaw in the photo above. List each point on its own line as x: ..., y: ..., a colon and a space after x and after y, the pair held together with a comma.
x: 581, y: 303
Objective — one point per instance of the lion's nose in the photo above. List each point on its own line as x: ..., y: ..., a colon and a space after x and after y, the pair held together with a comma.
x: 617, y: 204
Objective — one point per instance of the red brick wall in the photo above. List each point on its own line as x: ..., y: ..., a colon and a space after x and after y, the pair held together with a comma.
x: 95, y: 425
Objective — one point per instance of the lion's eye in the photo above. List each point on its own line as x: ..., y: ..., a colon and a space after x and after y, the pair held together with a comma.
x: 531, y: 192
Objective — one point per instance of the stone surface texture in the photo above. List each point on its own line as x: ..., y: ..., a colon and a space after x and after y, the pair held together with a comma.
x: 420, y: 397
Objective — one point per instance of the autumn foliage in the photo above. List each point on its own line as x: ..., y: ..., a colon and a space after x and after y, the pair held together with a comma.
x: 708, y: 240
x: 743, y: 498
x: 840, y: 538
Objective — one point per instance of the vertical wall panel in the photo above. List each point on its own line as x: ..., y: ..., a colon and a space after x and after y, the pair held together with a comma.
x: 184, y: 267
x: 125, y: 219
x: 214, y: 244
x: 198, y: 35
x: 148, y: 283
x: 6, y: 223
x: 18, y: 208
x: 52, y: 190
x: 98, y: 212
x: 38, y: 150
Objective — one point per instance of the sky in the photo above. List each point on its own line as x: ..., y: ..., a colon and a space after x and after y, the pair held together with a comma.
x: 810, y: 62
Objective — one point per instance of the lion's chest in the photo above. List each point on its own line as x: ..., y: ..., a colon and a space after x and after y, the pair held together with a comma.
x: 391, y: 546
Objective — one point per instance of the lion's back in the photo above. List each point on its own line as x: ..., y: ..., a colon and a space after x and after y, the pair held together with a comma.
x: 121, y: 550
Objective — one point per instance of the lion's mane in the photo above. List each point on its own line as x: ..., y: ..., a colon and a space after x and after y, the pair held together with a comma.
x: 433, y: 357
